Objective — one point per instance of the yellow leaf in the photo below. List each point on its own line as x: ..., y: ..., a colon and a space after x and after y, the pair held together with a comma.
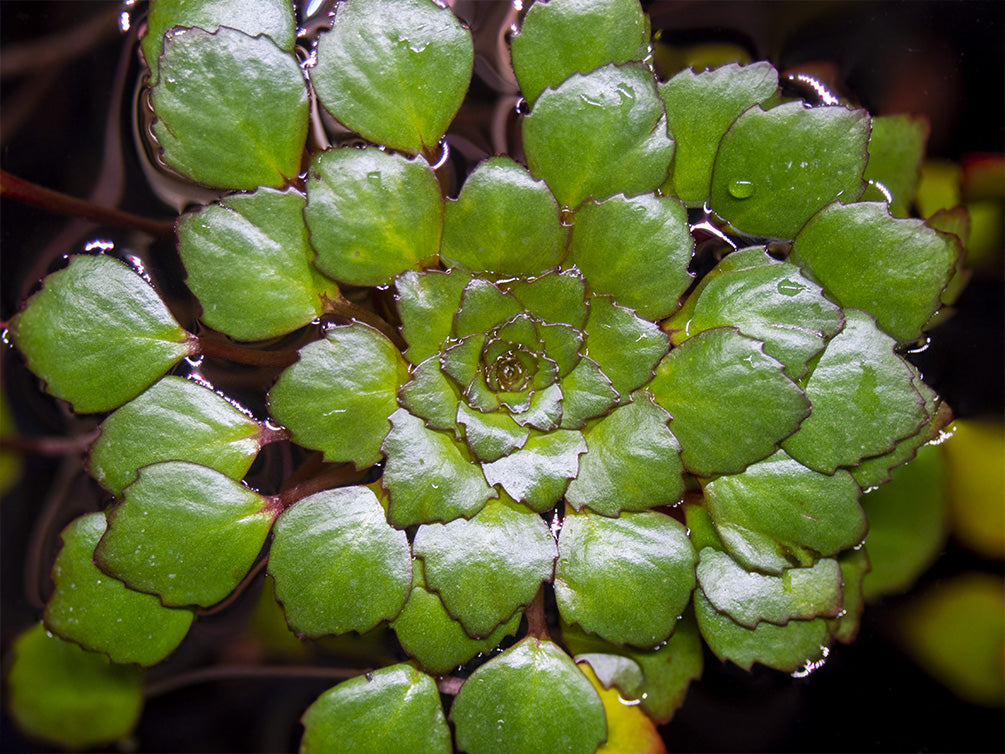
x: 629, y: 729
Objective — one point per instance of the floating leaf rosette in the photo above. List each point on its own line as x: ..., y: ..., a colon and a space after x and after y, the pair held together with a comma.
x: 539, y: 384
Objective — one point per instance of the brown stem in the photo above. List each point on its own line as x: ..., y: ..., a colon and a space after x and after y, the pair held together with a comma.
x: 238, y: 590
x: 338, y: 477
x: 345, y: 309
x: 49, y: 446
x: 231, y: 672
x: 239, y: 354
x: 24, y: 191
x: 537, y: 623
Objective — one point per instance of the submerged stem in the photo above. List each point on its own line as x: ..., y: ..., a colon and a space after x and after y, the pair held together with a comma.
x: 240, y: 354
x: 344, y: 309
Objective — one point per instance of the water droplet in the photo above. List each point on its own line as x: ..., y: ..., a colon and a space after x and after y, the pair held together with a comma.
x: 369, y: 676
x: 374, y: 178
x: 741, y: 189
x: 592, y: 101
x: 125, y: 21
x: 627, y: 95
x: 522, y: 107
x: 790, y: 287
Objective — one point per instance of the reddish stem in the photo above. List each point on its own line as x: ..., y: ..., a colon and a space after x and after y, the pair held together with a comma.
x: 338, y: 477
x: 345, y: 309
x: 537, y: 623
x: 239, y: 354
x: 49, y: 446
x: 24, y: 191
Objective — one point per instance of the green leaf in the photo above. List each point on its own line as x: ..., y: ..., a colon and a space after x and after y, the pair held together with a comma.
x: 98, y: 612
x: 484, y: 307
x: 438, y: 642
x: 750, y: 598
x: 842, y: 246
x: 360, y: 568
x: 490, y: 436
x: 625, y: 579
x: 392, y: 709
x: 632, y: 461
x: 765, y: 299
x: 700, y: 108
x: 775, y: 509
x: 504, y: 222
x: 60, y: 693
x: 598, y: 135
x: 787, y: 648
x: 427, y: 302
x: 174, y: 420
x: 587, y: 392
x: 487, y: 568
x: 776, y: 168
x: 896, y: 149
x: 248, y: 262
x: 254, y: 17
x: 625, y: 347
x: 863, y: 399
x: 738, y: 411
x: 635, y: 249
x: 908, y: 523
x: 531, y: 698
x: 98, y: 334
x: 431, y: 396
x: 955, y: 631
x: 184, y: 532
x: 429, y: 475
x: 854, y: 568
x: 555, y: 297
x: 372, y: 214
x: 247, y: 83
x: 666, y: 671
x: 339, y: 396
x: 394, y: 71
x: 538, y: 474
x: 562, y: 37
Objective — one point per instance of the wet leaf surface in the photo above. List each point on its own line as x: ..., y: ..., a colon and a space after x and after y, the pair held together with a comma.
x: 360, y: 567
x: 396, y: 708
x: 628, y: 727
x: 372, y: 215
x: 539, y: 473
x: 394, y: 72
x: 486, y: 568
x: 598, y: 135
x: 248, y: 261
x: 184, y: 532
x: 246, y: 82
x: 636, y: 250
x: 625, y: 579
x: 531, y: 698
x: 427, y: 303
x: 94, y: 313
x: 337, y: 398
x: 775, y: 168
x: 738, y: 412
x: 560, y: 38
x: 896, y: 149
x: 608, y: 330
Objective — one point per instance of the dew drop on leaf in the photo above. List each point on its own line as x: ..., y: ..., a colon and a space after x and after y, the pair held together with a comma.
x: 741, y: 189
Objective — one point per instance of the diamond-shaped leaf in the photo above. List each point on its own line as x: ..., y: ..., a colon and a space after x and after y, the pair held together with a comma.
x: 427, y: 303
x: 843, y: 244
x: 248, y: 262
x: 396, y: 708
x: 98, y: 334
x: 430, y: 395
x: 184, y: 532
x: 558, y: 297
x: 700, y: 107
x: 776, y: 168
x: 394, y: 71
x: 337, y: 398
x: 764, y: 299
x: 539, y: 473
x: 600, y: 134
x: 438, y: 642
x: 487, y: 568
x: 258, y: 90
x: 586, y: 393
x: 174, y: 420
x: 531, y: 698
x: 863, y: 399
x: 44, y: 692
x: 632, y: 461
x: 372, y: 214
x: 562, y: 37
x: 740, y: 409
x: 625, y: 579
x: 635, y: 249
x: 504, y: 221
x: 429, y: 475
x: 775, y: 508
x: 98, y: 612
x: 609, y: 331
x: 360, y: 567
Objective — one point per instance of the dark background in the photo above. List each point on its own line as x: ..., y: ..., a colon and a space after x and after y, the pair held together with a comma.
x: 942, y: 59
